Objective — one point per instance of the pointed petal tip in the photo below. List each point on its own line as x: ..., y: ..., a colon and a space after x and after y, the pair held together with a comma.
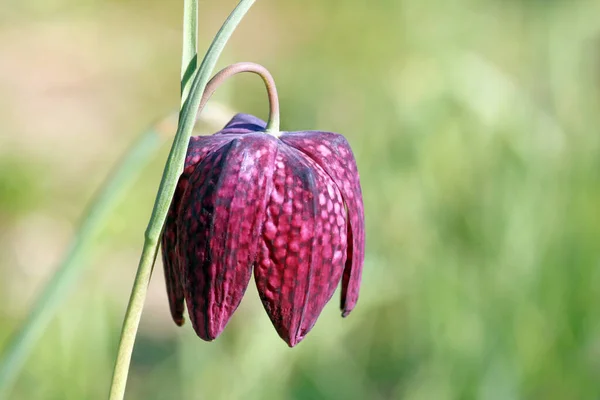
x: 347, y: 307
x: 179, y: 321
x: 293, y: 341
x: 211, y: 337
x: 210, y: 334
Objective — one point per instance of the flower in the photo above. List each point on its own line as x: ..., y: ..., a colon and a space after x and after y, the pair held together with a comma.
x: 288, y: 207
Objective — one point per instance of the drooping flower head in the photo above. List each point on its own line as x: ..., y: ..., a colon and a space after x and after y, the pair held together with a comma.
x: 288, y: 208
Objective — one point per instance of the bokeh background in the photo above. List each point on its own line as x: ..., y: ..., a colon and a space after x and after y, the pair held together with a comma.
x: 475, y: 124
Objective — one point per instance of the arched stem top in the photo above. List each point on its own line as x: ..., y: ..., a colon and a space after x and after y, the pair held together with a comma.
x: 227, y: 72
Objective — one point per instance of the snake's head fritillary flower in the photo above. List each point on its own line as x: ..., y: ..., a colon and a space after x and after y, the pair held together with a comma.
x: 288, y: 208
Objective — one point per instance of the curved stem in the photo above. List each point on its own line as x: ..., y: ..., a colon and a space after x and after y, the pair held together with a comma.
x: 228, y: 72
x: 173, y: 169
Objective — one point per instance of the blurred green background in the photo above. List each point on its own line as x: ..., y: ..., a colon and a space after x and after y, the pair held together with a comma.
x: 476, y: 129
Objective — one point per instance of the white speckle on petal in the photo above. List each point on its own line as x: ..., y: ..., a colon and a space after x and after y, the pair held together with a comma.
x: 336, y: 208
x: 324, y: 150
x: 331, y: 191
x: 322, y: 199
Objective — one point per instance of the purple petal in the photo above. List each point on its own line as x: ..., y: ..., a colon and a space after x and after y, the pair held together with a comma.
x: 333, y: 153
x: 221, y: 214
x: 303, y: 250
x: 198, y: 149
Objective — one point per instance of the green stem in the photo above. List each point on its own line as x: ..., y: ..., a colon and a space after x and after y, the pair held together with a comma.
x: 68, y: 272
x: 228, y: 72
x: 189, y: 53
x: 173, y: 169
